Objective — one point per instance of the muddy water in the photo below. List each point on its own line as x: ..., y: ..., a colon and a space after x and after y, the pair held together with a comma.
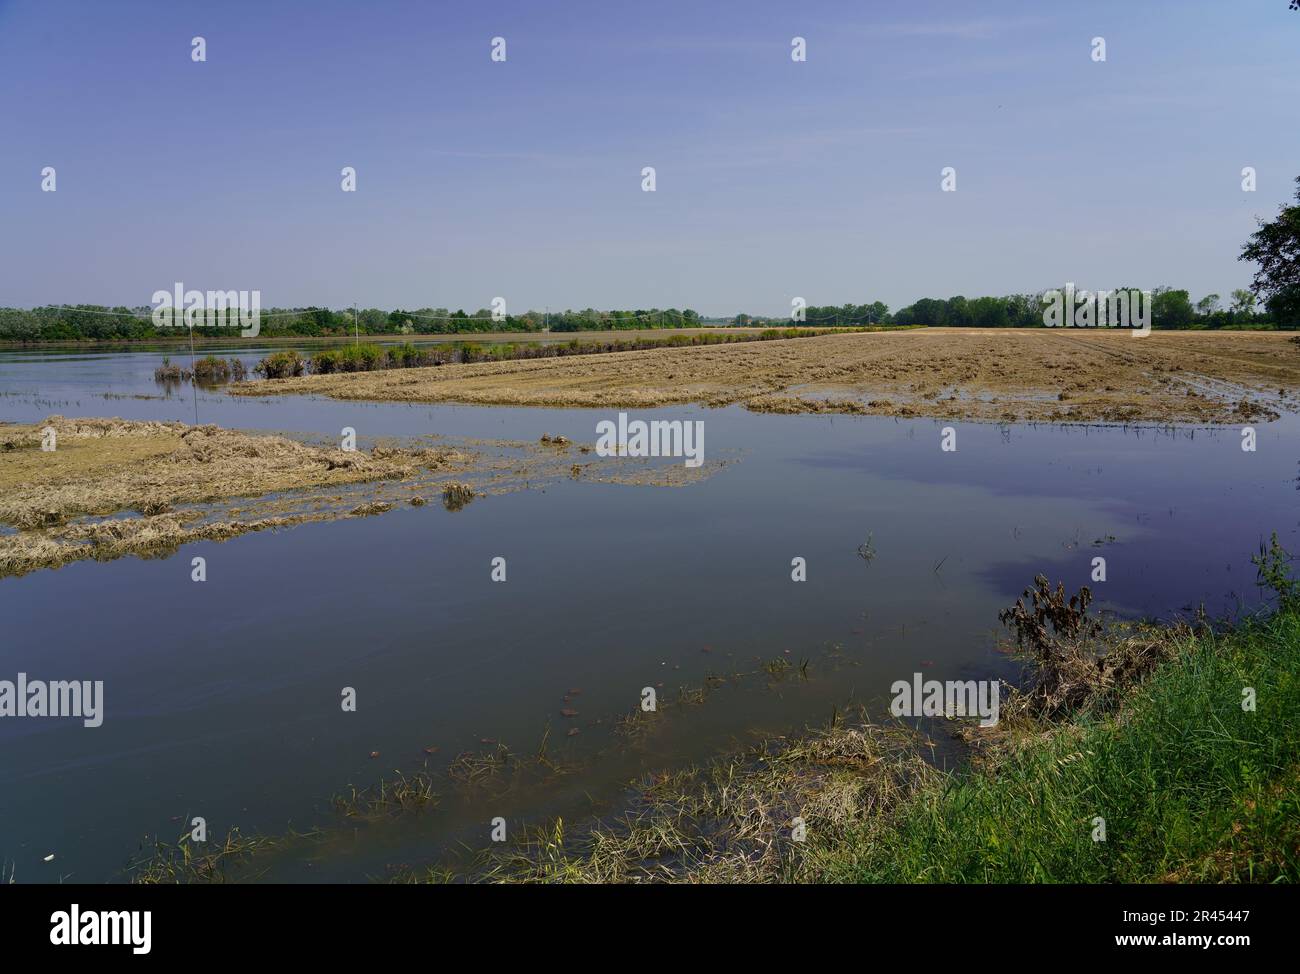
x: 222, y: 698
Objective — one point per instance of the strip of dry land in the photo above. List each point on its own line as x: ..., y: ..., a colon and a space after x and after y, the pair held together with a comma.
x: 114, y: 487
x: 999, y: 375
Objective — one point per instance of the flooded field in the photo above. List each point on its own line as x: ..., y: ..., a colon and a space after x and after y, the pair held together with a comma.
x: 222, y: 698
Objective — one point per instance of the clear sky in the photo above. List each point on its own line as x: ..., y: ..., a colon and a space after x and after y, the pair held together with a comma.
x: 522, y: 179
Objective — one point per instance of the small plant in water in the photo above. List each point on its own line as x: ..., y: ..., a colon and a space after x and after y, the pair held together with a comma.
x: 1273, y: 565
x: 776, y: 667
x: 1067, y: 618
x: 456, y: 495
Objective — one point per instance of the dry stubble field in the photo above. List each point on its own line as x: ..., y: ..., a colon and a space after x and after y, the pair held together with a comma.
x: 949, y: 373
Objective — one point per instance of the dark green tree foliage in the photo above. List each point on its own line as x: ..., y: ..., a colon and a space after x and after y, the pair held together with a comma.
x: 91, y: 322
x: 1171, y: 308
x: 1011, y: 311
x: 1275, y: 247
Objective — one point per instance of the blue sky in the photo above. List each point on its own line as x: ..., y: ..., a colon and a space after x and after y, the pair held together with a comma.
x: 522, y: 179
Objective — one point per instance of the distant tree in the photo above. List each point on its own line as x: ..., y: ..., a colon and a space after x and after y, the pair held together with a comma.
x: 988, y: 312
x: 1171, y: 309
x: 877, y: 313
x: 1243, y: 299
x: 1275, y: 247
x: 957, y: 312
x: 928, y: 311
x: 1207, y: 305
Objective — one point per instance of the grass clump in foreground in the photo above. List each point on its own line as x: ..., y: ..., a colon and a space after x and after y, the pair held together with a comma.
x: 1142, y: 727
x: 731, y: 821
x: 187, y: 862
x: 1190, y: 787
x: 239, y: 858
x: 1193, y: 784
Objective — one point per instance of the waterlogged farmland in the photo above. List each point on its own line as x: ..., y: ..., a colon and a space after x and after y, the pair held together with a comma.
x: 520, y: 698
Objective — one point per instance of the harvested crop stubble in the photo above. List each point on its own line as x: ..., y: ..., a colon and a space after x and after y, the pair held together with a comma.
x: 102, y: 466
x: 108, y: 466
x: 1049, y: 375
x: 182, y: 481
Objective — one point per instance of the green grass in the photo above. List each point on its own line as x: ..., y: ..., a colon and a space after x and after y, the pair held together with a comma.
x: 1191, y: 786
x: 281, y: 365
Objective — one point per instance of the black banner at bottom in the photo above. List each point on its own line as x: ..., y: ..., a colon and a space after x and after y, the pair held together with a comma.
x: 340, y: 923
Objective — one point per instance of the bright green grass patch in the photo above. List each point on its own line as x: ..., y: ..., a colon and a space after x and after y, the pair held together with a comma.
x: 1192, y: 787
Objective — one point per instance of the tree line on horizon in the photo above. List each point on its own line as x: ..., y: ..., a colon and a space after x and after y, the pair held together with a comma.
x: 1171, y: 309
x: 101, y: 323
x: 1274, y: 248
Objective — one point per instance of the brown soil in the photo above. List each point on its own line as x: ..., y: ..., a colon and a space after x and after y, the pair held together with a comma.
x: 994, y: 375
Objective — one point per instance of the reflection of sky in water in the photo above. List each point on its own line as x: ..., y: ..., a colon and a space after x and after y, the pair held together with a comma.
x: 222, y: 698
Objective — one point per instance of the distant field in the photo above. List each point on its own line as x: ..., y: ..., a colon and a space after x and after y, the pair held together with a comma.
x: 996, y: 375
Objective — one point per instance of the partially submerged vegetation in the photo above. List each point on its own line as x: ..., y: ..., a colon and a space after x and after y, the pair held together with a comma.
x: 1130, y: 753
x: 185, y: 861
x: 456, y: 495
x: 403, y: 793
x: 1049, y: 375
x: 366, y: 358
x: 208, y: 370
x: 730, y: 821
x: 1178, y: 763
x: 281, y: 365
x: 1175, y: 756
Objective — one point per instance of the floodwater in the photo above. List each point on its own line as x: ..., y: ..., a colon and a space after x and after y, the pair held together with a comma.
x: 222, y: 698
